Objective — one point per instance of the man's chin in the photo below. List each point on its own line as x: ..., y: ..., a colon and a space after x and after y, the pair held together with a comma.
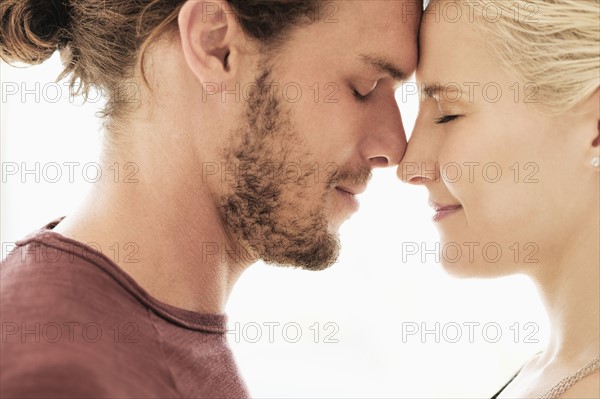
x: 335, y: 225
x: 322, y: 254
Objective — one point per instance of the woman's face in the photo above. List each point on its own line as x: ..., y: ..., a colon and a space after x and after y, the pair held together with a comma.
x: 513, y: 186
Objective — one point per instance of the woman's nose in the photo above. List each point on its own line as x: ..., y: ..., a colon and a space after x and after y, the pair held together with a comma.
x: 419, y: 164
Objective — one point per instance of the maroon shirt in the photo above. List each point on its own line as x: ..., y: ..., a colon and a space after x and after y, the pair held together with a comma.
x: 75, y: 325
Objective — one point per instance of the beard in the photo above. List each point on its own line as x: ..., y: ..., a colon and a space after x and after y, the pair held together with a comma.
x: 264, y: 208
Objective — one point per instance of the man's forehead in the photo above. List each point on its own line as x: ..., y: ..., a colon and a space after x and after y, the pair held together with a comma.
x: 383, y: 34
x: 409, y: 6
x: 382, y: 13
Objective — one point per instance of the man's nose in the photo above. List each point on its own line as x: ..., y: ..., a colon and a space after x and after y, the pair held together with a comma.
x: 385, y: 142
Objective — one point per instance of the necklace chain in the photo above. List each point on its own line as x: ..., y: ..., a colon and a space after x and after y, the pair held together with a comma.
x: 567, y: 382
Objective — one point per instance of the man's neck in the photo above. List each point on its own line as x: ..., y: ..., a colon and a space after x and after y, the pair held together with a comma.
x: 165, y: 232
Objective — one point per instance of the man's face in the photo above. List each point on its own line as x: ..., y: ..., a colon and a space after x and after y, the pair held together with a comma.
x: 307, y: 141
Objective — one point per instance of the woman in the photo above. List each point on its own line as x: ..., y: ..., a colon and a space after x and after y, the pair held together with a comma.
x: 506, y: 142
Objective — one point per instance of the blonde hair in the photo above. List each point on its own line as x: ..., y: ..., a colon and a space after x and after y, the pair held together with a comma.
x: 554, y: 44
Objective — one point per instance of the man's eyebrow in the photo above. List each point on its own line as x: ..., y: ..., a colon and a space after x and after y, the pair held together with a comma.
x: 384, y: 65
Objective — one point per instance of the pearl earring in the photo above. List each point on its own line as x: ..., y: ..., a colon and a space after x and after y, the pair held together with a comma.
x: 596, y: 162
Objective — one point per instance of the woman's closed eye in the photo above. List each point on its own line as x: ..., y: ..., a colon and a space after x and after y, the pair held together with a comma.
x: 445, y: 119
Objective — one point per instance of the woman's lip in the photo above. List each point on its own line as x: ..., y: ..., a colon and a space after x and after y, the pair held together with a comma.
x: 443, y: 207
x: 438, y: 206
x: 442, y: 212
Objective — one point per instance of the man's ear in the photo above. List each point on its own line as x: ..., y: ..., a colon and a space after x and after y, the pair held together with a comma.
x: 208, y: 34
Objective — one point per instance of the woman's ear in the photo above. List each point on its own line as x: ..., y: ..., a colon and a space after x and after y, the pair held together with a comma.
x: 596, y: 142
x: 596, y: 146
x: 595, y: 108
x: 209, y: 34
x: 591, y: 111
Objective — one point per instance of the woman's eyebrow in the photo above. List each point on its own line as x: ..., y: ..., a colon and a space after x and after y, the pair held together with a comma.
x: 434, y: 90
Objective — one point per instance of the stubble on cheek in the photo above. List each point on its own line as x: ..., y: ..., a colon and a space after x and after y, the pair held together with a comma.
x: 278, y: 218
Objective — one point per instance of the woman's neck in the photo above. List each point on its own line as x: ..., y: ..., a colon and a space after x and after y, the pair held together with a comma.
x: 570, y: 291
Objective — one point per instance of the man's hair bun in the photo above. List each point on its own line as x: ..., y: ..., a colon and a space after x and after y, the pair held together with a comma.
x: 31, y: 30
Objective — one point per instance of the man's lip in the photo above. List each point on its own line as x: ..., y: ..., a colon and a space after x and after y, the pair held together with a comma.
x: 356, y: 190
x: 438, y: 207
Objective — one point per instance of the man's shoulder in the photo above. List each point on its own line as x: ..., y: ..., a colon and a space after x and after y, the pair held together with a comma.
x: 40, y: 278
x: 70, y: 329
x: 80, y: 372
x: 68, y: 307
x: 54, y: 377
x: 43, y: 286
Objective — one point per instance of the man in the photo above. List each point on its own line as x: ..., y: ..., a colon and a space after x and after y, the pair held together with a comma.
x: 255, y: 125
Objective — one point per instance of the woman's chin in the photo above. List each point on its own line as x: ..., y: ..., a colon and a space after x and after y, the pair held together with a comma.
x: 466, y: 270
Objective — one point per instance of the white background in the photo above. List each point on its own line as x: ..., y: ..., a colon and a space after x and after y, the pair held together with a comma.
x: 369, y: 296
